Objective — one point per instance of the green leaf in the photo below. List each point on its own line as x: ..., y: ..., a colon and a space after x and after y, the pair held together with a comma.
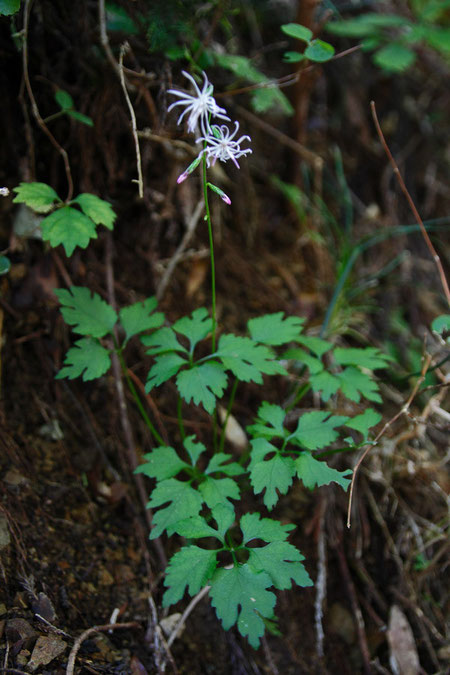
x: 314, y: 364
x: 281, y: 561
x: 369, y: 357
x: 355, y: 384
x: 267, y: 529
x: 87, y: 358
x: 217, y: 491
x: 184, y: 503
x: 161, y: 463
x: 139, y: 317
x: 293, y: 57
x: 319, y: 51
x: 297, y: 31
x: 239, y: 595
x: 165, y: 367
x: 217, y: 465
x: 272, y: 474
x: 315, y: 344
x: 195, y: 328
x: 68, y: 227
x: 96, y: 209
x: 274, y: 330
x: 8, y: 7
x: 191, y: 567
x: 269, y: 423
x: 194, y: 528
x: 366, y: 24
x: 38, y: 196
x: 326, y: 383
x: 262, y: 99
x: 64, y: 99
x: 162, y: 340
x: 246, y: 359
x: 317, y: 429
x: 87, y: 314
x: 441, y: 324
x: 316, y: 473
x: 193, y: 448
x: 202, y: 384
x: 5, y: 264
x: 84, y: 119
x: 362, y: 423
x: 269, y: 96
x: 394, y: 57
x: 438, y: 38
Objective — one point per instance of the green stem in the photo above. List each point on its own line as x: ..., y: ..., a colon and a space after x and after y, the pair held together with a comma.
x: 135, y: 395
x: 229, y: 406
x: 211, y: 252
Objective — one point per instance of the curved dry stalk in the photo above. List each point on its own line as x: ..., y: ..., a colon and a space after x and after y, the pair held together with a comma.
x: 95, y: 629
x: 404, y: 409
x: 34, y: 106
x: 405, y: 191
x: 124, y: 48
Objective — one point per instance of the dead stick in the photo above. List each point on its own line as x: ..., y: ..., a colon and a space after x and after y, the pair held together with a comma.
x: 404, y: 409
x: 405, y: 191
x: 140, y: 180
x: 95, y: 629
x: 34, y: 106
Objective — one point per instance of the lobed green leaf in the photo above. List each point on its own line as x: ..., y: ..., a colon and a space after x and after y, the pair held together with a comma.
x: 317, y: 429
x: 161, y: 463
x: 274, y: 330
x: 87, y: 313
x: 98, y: 210
x: 202, y: 384
x: 282, y: 562
x: 184, y: 503
x: 139, y: 317
x: 68, y: 227
x: 316, y: 473
x: 191, y: 567
x: 38, y: 196
x: 87, y: 358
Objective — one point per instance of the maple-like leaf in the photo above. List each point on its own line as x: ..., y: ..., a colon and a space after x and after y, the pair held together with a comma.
x: 184, y: 502
x: 273, y: 329
x: 317, y: 429
x: 161, y: 463
x: 246, y: 359
x: 86, y: 312
x: 203, y: 384
x: 87, y: 358
x: 274, y: 474
x: 69, y: 227
x: 240, y: 595
x: 191, y: 567
x: 281, y: 561
x: 96, y: 209
x: 139, y: 317
x: 316, y: 473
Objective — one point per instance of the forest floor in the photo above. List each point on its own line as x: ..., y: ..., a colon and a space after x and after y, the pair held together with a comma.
x: 74, y: 548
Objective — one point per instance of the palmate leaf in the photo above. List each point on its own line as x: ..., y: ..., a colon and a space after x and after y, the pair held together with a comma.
x: 162, y: 341
x: 184, y: 503
x: 196, y: 527
x: 316, y: 473
x: 318, y: 346
x: 274, y: 330
x: 267, y: 529
x: 316, y: 429
x: 272, y: 474
x: 139, y: 317
x: 165, y: 367
x: 369, y: 357
x: 191, y: 567
x: 313, y: 363
x: 193, y: 448
x: 217, y: 465
x: 68, y: 227
x: 87, y: 313
x: 246, y: 359
x: 195, y: 328
x: 281, y: 561
x: 202, y: 384
x: 87, y: 358
x: 240, y: 595
x: 96, y: 209
x: 161, y: 463
x: 324, y: 383
x: 217, y: 491
x: 362, y: 423
x: 37, y: 196
x: 354, y: 384
x: 8, y: 7
x: 269, y: 423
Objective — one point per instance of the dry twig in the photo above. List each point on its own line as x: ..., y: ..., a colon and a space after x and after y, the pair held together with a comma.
x: 95, y: 629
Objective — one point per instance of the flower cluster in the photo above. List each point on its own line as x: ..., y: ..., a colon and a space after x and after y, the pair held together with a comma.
x: 219, y: 142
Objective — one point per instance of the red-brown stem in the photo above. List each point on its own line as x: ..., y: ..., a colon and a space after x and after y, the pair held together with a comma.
x: 405, y: 191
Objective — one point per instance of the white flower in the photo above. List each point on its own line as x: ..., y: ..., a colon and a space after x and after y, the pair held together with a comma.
x: 199, y: 107
x: 4, y: 192
x: 220, y: 145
